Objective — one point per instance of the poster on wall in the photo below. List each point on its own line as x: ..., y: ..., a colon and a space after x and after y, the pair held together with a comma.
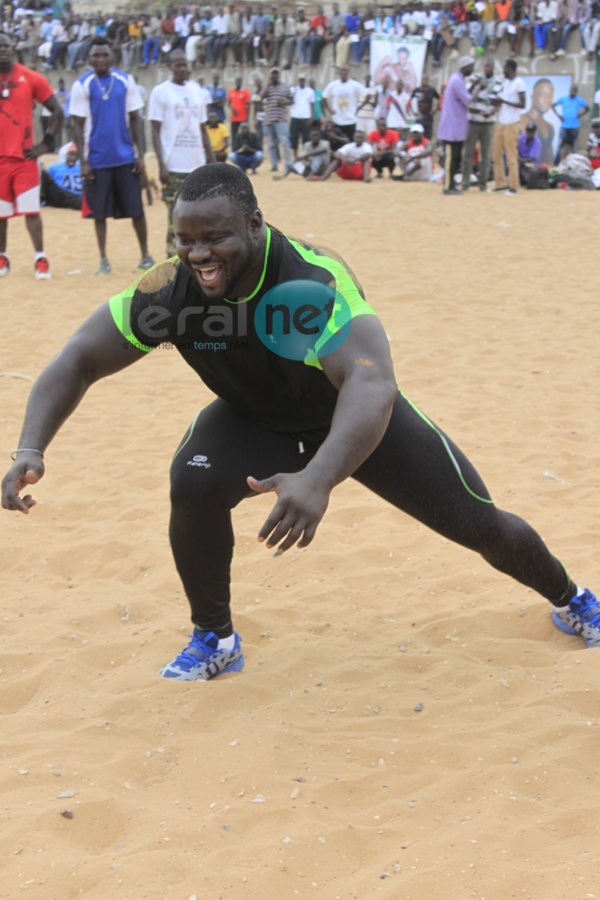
x: 397, y: 58
x: 541, y: 91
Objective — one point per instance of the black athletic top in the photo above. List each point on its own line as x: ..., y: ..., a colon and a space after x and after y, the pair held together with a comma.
x: 241, y: 349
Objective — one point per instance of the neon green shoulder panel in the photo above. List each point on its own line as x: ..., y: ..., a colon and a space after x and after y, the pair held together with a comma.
x: 355, y: 304
x: 149, y: 282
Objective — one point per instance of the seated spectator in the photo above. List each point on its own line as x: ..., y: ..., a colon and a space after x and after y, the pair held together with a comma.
x: 352, y: 162
x: 593, y: 144
x: 218, y: 134
x: 234, y: 34
x: 415, y: 156
x: 246, y: 152
x: 314, y: 41
x: 342, y: 48
x: 530, y: 149
x: 117, y: 34
x: 334, y: 135
x: 60, y: 44
x: 316, y: 156
x: 80, y: 43
x: 247, y: 36
x: 62, y: 184
x: 520, y: 25
x: 545, y: 19
x: 383, y: 140
x: 151, y: 40
x: 590, y: 30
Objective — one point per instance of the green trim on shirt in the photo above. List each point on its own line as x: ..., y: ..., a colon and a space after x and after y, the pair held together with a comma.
x: 345, y: 285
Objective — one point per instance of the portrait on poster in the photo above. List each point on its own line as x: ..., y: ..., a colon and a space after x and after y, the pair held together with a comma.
x: 395, y: 58
x: 541, y: 91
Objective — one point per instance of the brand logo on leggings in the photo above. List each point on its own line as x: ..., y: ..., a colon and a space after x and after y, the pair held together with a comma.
x: 200, y: 461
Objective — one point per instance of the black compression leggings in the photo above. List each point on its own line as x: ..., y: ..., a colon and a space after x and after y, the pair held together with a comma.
x: 415, y: 467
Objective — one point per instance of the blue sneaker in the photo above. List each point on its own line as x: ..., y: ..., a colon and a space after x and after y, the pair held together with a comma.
x: 202, y: 659
x: 582, y: 617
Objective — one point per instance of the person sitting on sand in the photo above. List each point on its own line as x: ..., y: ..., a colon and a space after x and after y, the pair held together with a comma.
x: 352, y: 162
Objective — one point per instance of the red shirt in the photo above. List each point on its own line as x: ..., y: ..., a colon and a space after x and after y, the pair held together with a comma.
x: 16, y: 111
x: 412, y: 146
x: 383, y: 142
x: 459, y: 12
x: 239, y: 101
x: 319, y: 24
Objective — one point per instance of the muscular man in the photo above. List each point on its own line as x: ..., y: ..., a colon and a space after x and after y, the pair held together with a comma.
x: 20, y: 88
x: 281, y: 332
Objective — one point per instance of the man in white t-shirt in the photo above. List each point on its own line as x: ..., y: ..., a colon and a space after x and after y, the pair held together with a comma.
x: 398, y: 101
x: 177, y: 112
x: 341, y: 99
x: 352, y: 162
x: 302, y: 113
x: 510, y: 103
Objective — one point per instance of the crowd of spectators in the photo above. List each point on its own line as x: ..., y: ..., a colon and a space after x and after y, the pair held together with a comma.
x: 349, y: 127
x: 270, y: 35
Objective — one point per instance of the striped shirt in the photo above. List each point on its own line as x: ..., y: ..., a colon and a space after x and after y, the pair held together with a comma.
x: 275, y: 105
x: 481, y: 108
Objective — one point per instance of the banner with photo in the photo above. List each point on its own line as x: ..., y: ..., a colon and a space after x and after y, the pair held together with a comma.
x: 398, y: 58
x: 541, y: 91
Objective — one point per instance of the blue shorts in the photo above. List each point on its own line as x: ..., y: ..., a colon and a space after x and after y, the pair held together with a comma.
x: 115, y: 193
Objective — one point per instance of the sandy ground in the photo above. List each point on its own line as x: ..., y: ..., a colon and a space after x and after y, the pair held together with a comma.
x: 409, y: 723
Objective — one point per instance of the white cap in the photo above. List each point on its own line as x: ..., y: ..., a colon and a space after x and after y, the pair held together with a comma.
x: 417, y: 129
x: 465, y: 61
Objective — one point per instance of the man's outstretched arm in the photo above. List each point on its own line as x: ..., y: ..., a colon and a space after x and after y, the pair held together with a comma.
x: 97, y: 349
x: 362, y: 372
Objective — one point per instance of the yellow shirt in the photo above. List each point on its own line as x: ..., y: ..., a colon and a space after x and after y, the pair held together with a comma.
x: 218, y: 136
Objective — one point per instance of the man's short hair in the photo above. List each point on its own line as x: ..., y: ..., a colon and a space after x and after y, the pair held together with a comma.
x: 217, y: 180
x: 511, y: 64
x: 100, y: 41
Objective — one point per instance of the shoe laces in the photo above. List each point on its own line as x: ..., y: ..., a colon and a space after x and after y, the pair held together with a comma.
x: 198, y: 650
x: 588, y: 609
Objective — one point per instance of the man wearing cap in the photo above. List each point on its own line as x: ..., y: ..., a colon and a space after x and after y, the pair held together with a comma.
x: 454, y: 120
x: 510, y: 102
x: 530, y: 148
x: 276, y: 98
x: 415, y: 155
